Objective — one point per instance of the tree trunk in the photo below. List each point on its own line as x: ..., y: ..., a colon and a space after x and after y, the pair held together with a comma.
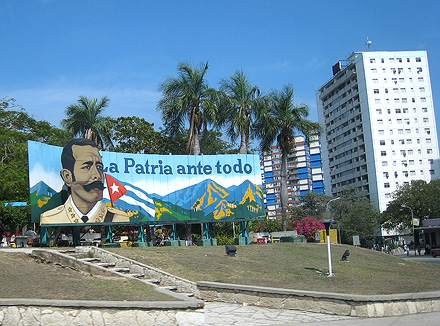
x: 243, y: 147
x: 283, y: 190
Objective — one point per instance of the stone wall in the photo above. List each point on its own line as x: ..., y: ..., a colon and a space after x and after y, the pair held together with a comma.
x: 322, y: 302
x: 39, y: 315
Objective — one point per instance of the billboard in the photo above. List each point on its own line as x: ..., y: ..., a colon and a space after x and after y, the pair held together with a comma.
x: 92, y: 187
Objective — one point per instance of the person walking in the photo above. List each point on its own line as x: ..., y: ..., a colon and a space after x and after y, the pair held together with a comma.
x: 1, y: 233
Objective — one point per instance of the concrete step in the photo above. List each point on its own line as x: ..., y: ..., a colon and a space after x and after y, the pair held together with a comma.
x: 91, y: 260
x: 107, y: 265
x: 137, y: 275
x: 123, y: 270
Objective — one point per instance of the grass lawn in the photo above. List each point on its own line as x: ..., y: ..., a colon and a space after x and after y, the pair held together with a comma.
x: 293, y: 266
x: 281, y: 265
x: 24, y: 277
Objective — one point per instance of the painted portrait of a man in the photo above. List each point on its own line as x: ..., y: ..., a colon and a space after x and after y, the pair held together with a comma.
x: 83, y: 175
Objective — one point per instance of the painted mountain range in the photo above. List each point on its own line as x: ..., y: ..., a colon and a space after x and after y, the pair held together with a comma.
x: 205, y: 201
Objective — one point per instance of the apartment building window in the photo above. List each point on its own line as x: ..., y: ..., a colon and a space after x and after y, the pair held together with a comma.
x: 423, y: 99
x: 394, y: 80
x: 381, y: 132
x: 419, y: 70
x: 425, y: 120
x: 384, y: 163
x: 412, y: 173
x: 420, y: 79
x: 395, y: 90
x: 424, y: 110
x: 405, y: 110
x: 382, y: 142
x: 429, y: 151
x: 418, y: 59
x: 407, y: 131
x: 399, y: 60
x: 380, y: 122
x: 422, y: 89
x: 431, y: 161
x: 401, y: 141
x: 373, y: 70
x: 391, y: 59
x: 386, y: 185
x: 411, y: 162
x: 403, y: 90
x: 431, y: 172
x: 379, y: 111
x: 398, y: 111
x: 375, y: 81
x: 404, y: 100
x: 399, y: 121
x: 410, y: 152
x: 400, y: 131
x: 377, y: 101
x: 372, y: 60
x: 376, y: 91
x: 428, y: 140
x: 401, y: 80
x: 383, y: 153
x: 382, y: 60
x: 427, y: 131
x: 409, y: 141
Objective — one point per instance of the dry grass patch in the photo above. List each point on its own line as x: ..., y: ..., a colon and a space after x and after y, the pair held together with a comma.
x: 24, y: 277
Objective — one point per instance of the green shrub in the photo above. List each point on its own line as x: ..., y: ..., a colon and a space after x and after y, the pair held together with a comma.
x: 224, y: 240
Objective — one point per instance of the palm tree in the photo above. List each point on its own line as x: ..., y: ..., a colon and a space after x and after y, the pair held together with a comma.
x: 87, y: 120
x: 279, y: 121
x: 238, y: 102
x: 187, y: 98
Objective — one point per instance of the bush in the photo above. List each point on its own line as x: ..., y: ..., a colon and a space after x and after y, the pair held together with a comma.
x: 307, y: 226
x: 224, y: 240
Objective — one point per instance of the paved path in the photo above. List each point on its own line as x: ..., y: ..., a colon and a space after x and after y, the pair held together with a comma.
x: 225, y: 314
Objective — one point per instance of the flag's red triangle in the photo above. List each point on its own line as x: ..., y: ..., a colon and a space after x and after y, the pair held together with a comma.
x: 115, y: 188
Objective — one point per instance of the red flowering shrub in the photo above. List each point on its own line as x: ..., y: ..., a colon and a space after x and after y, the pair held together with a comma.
x: 307, y: 226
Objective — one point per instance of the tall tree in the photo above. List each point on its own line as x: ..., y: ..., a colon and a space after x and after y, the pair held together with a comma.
x: 136, y: 135
x: 280, y: 120
x: 16, y: 128
x: 86, y: 119
x: 187, y: 98
x: 421, y: 196
x: 238, y: 103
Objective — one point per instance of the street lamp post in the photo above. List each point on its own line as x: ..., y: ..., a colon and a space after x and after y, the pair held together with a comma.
x: 327, y: 220
x: 412, y: 222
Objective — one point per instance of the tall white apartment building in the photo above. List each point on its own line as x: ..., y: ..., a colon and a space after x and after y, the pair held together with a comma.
x: 379, y: 124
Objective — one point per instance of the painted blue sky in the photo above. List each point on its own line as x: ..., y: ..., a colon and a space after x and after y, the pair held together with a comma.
x: 53, y: 51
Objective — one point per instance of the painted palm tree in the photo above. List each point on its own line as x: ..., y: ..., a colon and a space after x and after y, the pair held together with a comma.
x: 187, y: 98
x: 86, y: 119
x: 280, y: 121
x: 238, y: 102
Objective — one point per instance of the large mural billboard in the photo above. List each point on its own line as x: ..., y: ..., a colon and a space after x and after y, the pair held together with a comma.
x: 79, y: 184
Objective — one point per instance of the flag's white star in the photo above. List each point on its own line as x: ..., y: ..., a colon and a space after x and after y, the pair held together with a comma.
x: 114, y: 188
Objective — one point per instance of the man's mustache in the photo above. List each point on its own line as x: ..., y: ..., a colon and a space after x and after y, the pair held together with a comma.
x: 95, y: 184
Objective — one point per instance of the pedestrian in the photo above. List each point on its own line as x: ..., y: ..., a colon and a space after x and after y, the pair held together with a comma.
x: 1, y: 233
x: 419, y: 249
x: 406, y: 250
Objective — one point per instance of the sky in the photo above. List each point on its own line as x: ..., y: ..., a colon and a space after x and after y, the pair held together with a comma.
x: 53, y: 51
